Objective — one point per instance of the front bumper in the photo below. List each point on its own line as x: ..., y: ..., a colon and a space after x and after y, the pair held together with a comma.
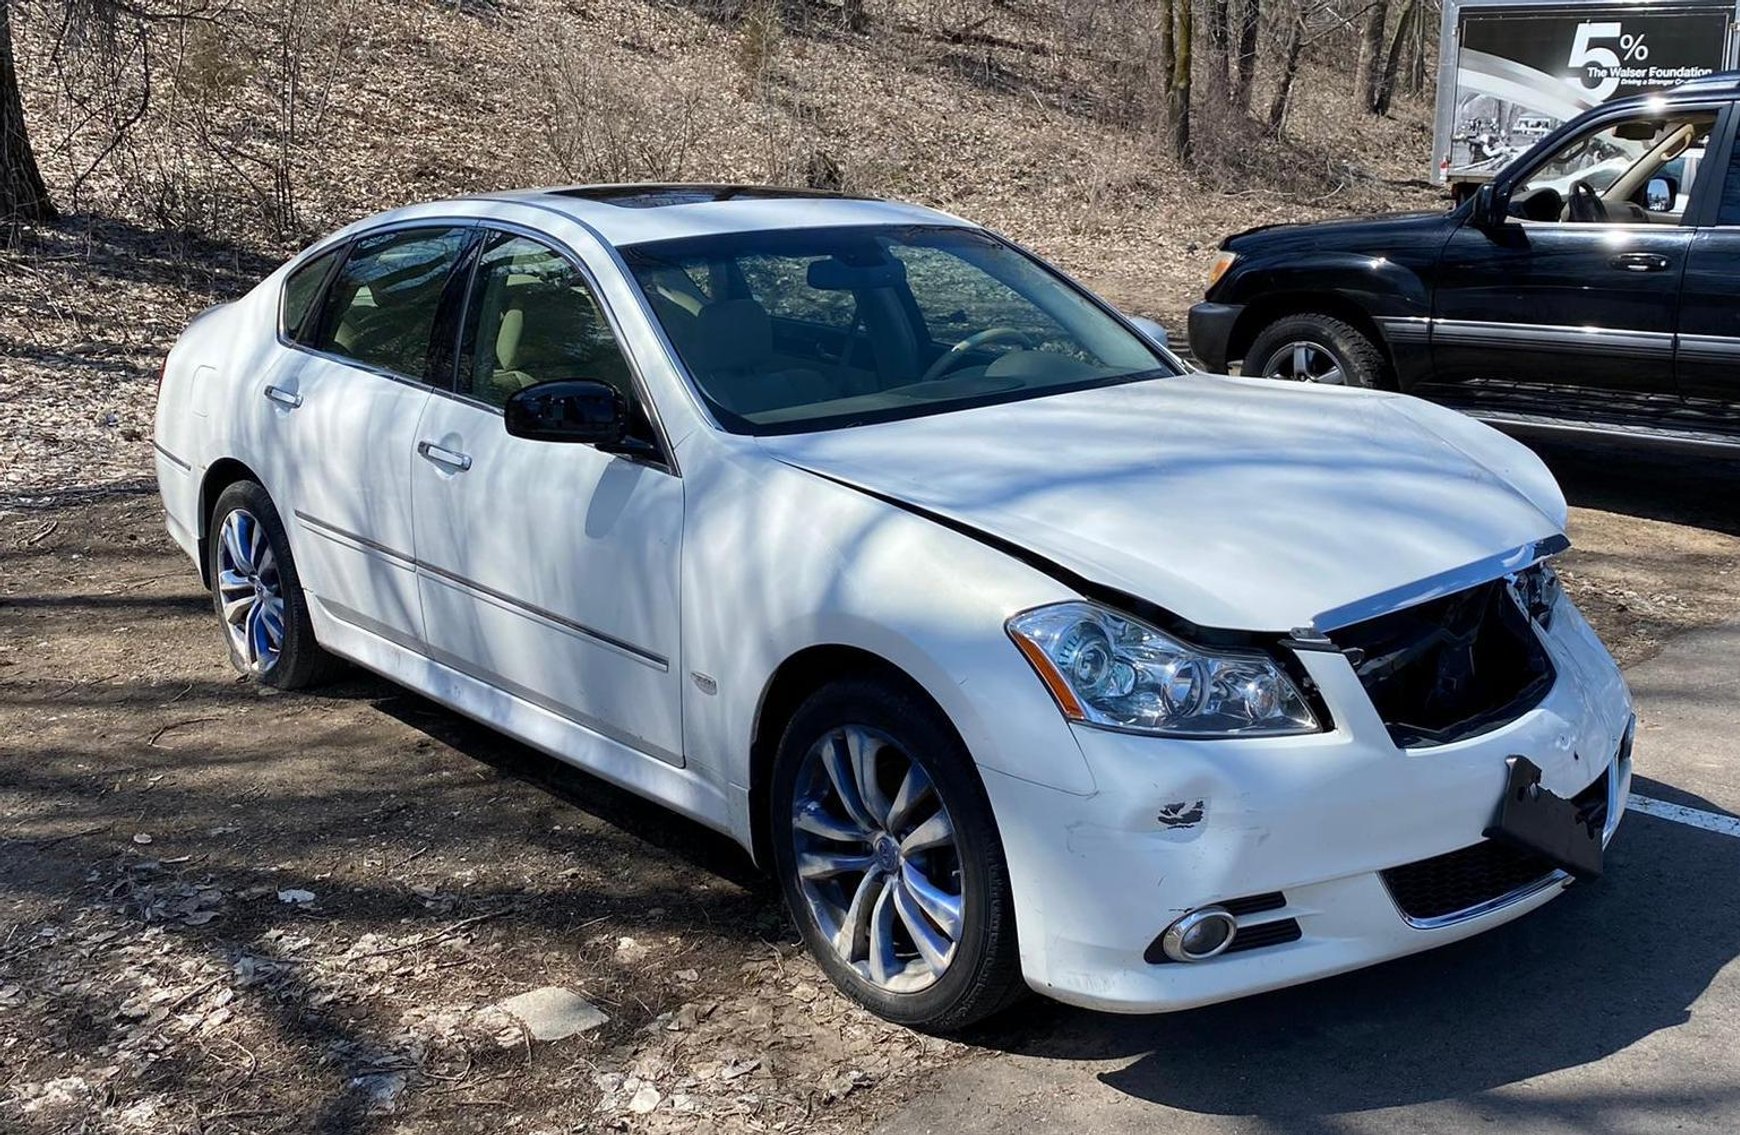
x: 1178, y: 824
x: 1209, y: 330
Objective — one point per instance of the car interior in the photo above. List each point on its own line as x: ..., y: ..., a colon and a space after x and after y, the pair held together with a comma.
x: 1639, y: 171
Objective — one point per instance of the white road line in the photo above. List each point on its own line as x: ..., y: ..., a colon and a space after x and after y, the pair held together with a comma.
x: 1680, y: 814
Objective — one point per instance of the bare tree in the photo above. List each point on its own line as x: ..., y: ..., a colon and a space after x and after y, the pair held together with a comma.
x: 1245, y: 63
x: 1219, y: 46
x: 1386, y: 84
x: 1178, y: 86
x: 23, y: 195
x: 1369, y: 72
x: 1289, y: 68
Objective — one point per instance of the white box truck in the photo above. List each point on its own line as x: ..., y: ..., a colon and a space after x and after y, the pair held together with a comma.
x: 1510, y: 72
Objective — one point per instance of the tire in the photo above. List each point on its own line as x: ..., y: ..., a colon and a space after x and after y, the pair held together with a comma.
x: 900, y: 730
x: 1339, y: 353
x: 255, y: 578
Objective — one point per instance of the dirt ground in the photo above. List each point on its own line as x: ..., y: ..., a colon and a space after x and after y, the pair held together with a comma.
x: 226, y: 909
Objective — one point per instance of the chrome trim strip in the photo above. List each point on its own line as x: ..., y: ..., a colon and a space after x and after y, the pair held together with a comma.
x: 1709, y: 348
x: 602, y: 638
x: 1557, y: 337
x: 1557, y: 878
x: 1405, y: 328
x: 170, y: 457
x: 330, y: 531
x: 1444, y: 583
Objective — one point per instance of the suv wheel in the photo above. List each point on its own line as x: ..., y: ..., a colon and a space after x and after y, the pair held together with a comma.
x: 258, y: 595
x: 1316, y: 348
x: 890, y: 860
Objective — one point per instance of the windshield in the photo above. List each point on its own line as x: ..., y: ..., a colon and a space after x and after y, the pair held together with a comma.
x: 794, y: 330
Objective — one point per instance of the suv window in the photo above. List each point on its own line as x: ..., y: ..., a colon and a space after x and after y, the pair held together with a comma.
x: 534, y: 319
x: 301, y: 290
x: 381, y: 307
x: 1618, y: 162
x: 1729, y: 211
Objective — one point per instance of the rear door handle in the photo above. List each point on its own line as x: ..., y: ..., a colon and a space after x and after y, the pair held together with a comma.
x: 1640, y: 262
x: 286, y: 398
x: 458, y: 462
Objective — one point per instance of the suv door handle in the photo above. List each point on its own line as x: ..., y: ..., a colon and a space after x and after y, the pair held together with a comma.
x: 458, y: 462
x: 1640, y: 262
x: 286, y: 398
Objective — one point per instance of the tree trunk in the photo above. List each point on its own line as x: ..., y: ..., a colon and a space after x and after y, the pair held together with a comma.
x: 1386, y: 86
x: 1289, y: 69
x: 1250, y: 26
x: 852, y: 11
x: 23, y: 196
x: 1371, y: 50
x: 1219, y: 46
x: 1178, y: 94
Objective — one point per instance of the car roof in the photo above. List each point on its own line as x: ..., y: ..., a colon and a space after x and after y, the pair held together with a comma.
x: 636, y: 213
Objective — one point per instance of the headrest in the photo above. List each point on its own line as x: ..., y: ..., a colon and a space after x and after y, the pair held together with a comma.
x: 732, y: 335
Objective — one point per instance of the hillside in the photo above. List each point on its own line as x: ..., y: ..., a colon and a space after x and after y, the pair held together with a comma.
x: 1031, y: 118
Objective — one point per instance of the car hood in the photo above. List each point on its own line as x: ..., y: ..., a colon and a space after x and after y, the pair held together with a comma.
x: 1232, y: 503
x: 1360, y: 228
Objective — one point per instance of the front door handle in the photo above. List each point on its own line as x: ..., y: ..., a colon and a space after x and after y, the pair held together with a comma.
x: 1640, y: 262
x: 289, y: 399
x: 458, y: 462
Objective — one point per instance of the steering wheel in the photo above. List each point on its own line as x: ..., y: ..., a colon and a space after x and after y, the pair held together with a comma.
x: 1586, y: 204
x: 951, y: 358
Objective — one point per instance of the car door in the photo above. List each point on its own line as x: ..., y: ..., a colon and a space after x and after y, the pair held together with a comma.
x: 548, y: 570
x: 1707, y: 362
x: 1589, y: 304
x: 342, y: 407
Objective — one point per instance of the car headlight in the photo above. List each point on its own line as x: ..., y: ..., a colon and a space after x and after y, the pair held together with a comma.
x: 1221, y: 263
x: 1110, y: 670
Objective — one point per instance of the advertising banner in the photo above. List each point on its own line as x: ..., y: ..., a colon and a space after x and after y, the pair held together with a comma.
x: 1521, y: 72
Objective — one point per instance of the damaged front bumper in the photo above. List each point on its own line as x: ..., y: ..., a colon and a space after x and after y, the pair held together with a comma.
x: 1316, y: 842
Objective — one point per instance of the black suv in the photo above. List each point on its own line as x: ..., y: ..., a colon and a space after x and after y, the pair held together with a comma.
x: 1592, y: 286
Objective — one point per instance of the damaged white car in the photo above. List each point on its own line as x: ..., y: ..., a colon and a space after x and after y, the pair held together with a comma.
x: 1022, y: 655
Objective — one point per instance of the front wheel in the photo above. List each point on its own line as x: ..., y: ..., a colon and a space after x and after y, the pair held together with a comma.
x: 258, y: 595
x: 1316, y: 348
x: 889, y: 857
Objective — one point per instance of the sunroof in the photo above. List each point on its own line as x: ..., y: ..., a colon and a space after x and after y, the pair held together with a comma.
x: 658, y: 196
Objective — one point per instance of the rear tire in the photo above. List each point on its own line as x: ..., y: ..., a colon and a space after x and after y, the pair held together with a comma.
x: 921, y: 931
x: 258, y: 595
x: 1317, y: 348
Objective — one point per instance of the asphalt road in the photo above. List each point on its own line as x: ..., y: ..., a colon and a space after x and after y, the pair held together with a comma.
x: 1615, y: 1009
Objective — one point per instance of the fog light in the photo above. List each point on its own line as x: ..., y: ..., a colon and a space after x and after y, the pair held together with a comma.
x: 1200, y: 935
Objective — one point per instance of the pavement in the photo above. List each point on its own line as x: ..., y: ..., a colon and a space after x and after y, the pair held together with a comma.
x: 1614, y: 1009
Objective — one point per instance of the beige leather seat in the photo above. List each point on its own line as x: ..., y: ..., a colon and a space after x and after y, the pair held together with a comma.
x: 732, y: 354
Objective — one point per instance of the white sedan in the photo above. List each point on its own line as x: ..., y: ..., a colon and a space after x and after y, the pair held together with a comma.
x: 1024, y: 656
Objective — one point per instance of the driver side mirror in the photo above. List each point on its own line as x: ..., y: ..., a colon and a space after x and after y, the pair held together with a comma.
x: 1658, y: 195
x: 1150, y: 330
x: 1489, y: 208
x: 575, y: 411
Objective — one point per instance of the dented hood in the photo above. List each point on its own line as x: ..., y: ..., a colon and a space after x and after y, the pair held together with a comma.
x: 1233, y: 503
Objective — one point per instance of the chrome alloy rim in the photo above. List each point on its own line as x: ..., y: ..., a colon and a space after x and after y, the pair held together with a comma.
x: 877, y: 860
x: 1305, y: 362
x: 250, y: 591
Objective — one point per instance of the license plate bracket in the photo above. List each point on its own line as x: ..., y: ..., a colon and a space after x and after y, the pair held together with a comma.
x: 1533, y: 819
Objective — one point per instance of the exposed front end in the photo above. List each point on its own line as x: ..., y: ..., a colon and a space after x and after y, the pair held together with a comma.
x: 1201, y: 870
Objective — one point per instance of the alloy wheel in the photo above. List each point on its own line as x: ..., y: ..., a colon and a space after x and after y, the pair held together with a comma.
x: 1305, y: 362
x: 250, y: 591
x: 877, y: 860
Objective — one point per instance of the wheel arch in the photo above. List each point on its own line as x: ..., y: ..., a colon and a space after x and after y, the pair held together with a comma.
x: 1266, y: 309
x: 791, y: 683
x: 220, y: 475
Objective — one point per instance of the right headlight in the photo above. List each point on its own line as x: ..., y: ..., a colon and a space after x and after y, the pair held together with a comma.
x: 1110, y: 670
x: 1221, y: 263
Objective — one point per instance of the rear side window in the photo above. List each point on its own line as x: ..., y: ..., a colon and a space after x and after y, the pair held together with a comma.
x: 301, y: 291
x: 1729, y: 213
x: 380, y: 309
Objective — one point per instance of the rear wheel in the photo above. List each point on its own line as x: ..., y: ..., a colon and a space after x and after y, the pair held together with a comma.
x: 258, y: 595
x: 1316, y: 348
x: 889, y: 857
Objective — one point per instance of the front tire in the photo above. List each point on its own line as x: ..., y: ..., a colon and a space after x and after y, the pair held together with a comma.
x: 258, y: 595
x: 889, y: 857
x: 1317, y: 348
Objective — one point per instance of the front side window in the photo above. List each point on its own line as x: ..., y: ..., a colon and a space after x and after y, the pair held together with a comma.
x: 532, y: 318
x: 1637, y: 171
x: 381, y: 306
x: 821, y: 328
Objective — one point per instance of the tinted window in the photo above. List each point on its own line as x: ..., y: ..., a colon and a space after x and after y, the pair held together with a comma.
x: 534, y: 319
x: 819, y: 328
x: 1729, y: 213
x: 380, y: 309
x: 300, y: 291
